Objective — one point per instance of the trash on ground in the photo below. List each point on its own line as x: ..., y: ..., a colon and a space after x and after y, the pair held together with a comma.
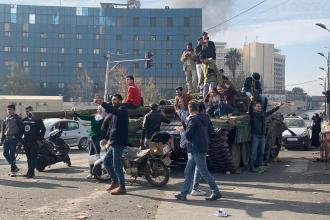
x: 221, y: 213
x: 81, y: 217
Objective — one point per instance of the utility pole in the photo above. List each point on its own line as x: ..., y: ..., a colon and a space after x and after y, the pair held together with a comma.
x: 328, y: 88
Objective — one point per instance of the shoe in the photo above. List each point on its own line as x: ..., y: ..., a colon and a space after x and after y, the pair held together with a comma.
x: 197, y: 192
x: 12, y: 174
x: 89, y: 176
x: 29, y: 175
x: 262, y: 169
x: 113, y: 186
x: 253, y: 170
x: 118, y: 191
x: 213, y: 197
x: 15, y: 170
x: 181, y: 197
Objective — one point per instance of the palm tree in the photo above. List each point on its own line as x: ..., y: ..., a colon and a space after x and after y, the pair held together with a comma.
x: 233, y: 59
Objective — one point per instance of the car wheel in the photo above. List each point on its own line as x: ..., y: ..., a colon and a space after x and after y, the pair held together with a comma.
x: 83, y: 143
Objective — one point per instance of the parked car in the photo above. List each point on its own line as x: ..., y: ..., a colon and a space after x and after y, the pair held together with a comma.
x: 74, y: 133
x: 301, y: 139
x: 305, y: 116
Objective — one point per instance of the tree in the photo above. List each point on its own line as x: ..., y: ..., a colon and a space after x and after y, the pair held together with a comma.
x: 82, y: 90
x: 18, y: 82
x: 233, y: 59
x: 298, y: 90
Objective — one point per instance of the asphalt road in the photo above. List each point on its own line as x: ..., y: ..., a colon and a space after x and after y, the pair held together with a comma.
x: 296, y: 188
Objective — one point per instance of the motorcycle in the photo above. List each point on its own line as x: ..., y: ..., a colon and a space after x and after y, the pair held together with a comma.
x: 152, y: 164
x: 53, y: 150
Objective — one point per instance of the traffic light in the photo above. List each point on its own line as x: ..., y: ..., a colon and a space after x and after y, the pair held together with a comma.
x: 148, y: 63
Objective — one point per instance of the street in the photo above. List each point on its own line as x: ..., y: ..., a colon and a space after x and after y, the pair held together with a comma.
x: 296, y: 188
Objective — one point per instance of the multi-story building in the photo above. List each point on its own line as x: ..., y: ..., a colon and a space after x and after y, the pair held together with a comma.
x: 266, y: 60
x: 59, y: 46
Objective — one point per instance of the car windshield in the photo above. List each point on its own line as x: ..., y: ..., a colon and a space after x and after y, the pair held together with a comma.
x: 48, y: 123
x: 295, y: 123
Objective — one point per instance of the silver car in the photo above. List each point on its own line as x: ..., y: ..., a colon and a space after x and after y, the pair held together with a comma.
x: 301, y: 139
x: 74, y: 133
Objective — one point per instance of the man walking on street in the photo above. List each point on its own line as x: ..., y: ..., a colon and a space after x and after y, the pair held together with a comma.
x: 197, y: 134
x: 34, y: 131
x: 258, y: 130
x: 151, y: 124
x: 12, y: 131
x: 189, y: 67
x: 118, y: 140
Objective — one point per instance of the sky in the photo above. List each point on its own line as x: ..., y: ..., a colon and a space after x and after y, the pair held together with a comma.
x: 289, y: 24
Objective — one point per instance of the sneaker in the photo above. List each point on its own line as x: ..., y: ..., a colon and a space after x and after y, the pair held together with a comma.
x: 12, y: 174
x: 213, y: 197
x: 197, y: 192
x: 29, y: 175
x: 253, y: 170
x: 113, y: 186
x: 89, y: 176
x: 118, y: 191
x: 15, y: 170
x: 181, y: 197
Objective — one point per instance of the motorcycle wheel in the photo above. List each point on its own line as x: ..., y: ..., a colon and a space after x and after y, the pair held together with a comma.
x: 157, y: 173
x: 68, y: 161
x: 99, y: 172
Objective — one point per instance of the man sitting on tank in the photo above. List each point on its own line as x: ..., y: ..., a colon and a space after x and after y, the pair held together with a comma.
x: 133, y: 99
x: 181, y: 99
x: 252, y: 88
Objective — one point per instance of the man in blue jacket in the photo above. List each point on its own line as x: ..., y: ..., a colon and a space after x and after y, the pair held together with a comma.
x: 197, y: 134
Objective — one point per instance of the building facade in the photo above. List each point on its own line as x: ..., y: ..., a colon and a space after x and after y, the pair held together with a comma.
x: 268, y: 62
x: 63, y: 48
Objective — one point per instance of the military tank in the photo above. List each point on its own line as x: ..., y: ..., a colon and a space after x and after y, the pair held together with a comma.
x: 229, y: 144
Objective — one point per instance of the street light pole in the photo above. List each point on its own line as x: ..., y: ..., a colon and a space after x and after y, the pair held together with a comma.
x: 106, y: 84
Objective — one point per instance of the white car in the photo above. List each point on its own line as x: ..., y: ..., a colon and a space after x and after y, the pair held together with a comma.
x: 74, y: 133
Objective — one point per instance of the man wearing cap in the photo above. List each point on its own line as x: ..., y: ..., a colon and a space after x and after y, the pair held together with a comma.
x: 188, y: 59
x: 210, y: 45
x: 210, y: 75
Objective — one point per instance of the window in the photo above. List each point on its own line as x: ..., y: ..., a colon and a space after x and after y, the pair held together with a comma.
x: 119, y: 21
x: 61, y: 50
x: 153, y: 21
x: 169, y: 22
x: 136, y: 21
x: 25, y: 28
x: 6, y: 62
x: 169, y: 65
x: 72, y: 125
x: 153, y: 51
x: 25, y: 63
x: 43, y: 85
x: 13, y: 10
x: 43, y: 50
x: 25, y: 49
x: 43, y: 35
x: 101, y: 31
x: 101, y: 20
x: 119, y: 51
x: 61, y: 35
x: 7, y: 33
x: 56, y: 19
x: 60, y: 64
x: 170, y: 37
x: 79, y: 65
x: 119, y: 37
x: 186, y: 22
x: 13, y: 18
x: 96, y: 65
x: 96, y: 51
x: 79, y: 50
x: 97, y: 36
x: 135, y: 37
x: 136, y: 51
x: 32, y: 18
x: 169, y: 52
x: 153, y: 37
x: 81, y: 11
x: 7, y: 49
x: 25, y: 34
x: 60, y: 85
x: 186, y: 37
x: 79, y: 36
x: 7, y: 27
x: 43, y: 63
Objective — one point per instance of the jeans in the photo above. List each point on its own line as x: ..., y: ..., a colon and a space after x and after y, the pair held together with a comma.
x: 208, y: 87
x: 197, y: 178
x: 9, y: 151
x: 31, y: 151
x: 113, y: 164
x: 197, y: 160
x: 257, y: 150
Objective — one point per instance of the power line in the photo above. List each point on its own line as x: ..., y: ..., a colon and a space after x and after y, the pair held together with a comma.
x: 235, y: 16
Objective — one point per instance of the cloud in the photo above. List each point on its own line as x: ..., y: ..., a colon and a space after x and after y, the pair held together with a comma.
x: 281, y: 33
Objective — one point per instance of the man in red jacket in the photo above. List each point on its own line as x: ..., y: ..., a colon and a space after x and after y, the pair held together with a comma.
x: 133, y: 99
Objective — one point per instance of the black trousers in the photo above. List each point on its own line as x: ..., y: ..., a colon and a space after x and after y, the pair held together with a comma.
x: 31, y: 151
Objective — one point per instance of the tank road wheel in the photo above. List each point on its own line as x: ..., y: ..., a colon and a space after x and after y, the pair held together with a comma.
x: 245, y: 153
x: 224, y: 154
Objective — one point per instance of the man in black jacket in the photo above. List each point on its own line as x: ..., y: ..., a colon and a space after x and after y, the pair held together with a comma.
x: 210, y: 46
x: 12, y: 131
x: 151, y: 124
x: 34, y: 131
x: 258, y: 130
x: 118, y: 136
